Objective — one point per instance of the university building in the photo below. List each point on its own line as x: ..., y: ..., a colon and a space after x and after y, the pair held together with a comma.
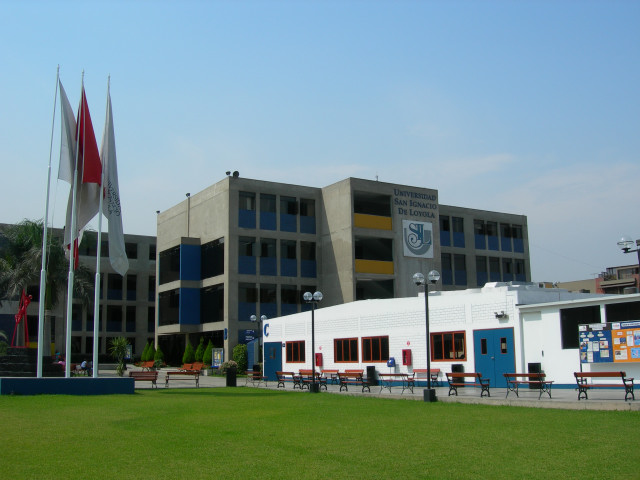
x: 247, y: 247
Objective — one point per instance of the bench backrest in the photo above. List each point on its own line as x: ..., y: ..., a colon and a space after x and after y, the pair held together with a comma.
x: 463, y: 375
x: 306, y: 372
x: 354, y: 372
x: 197, y: 366
x: 425, y: 371
x: 599, y: 374
x: 350, y: 374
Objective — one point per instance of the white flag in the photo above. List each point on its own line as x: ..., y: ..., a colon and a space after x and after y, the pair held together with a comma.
x: 68, y: 141
x: 111, y: 205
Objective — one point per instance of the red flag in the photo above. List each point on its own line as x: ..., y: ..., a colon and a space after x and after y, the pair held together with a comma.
x: 91, y: 166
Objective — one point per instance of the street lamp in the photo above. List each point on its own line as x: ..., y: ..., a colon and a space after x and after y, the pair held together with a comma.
x: 432, y: 277
x: 625, y: 245
x: 254, y: 319
x: 313, y: 299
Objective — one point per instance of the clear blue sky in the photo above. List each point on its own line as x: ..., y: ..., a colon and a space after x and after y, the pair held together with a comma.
x: 524, y: 107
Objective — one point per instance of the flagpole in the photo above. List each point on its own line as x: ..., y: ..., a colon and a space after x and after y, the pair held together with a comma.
x: 96, y: 301
x: 43, y: 270
x: 72, y: 233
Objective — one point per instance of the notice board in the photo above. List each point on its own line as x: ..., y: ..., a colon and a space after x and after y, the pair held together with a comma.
x: 616, y: 342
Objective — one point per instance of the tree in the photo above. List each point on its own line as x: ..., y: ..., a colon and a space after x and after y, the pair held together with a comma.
x: 207, y: 358
x: 189, y: 354
x: 200, y: 350
x: 158, y: 358
x: 118, y: 350
x: 21, y: 263
x: 145, y: 353
x: 240, y: 356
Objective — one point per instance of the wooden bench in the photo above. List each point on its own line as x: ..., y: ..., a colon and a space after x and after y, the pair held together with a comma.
x: 534, y: 380
x: 583, y: 385
x: 306, y: 379
x: 422, y: 373
x: 284, y: 377
x: 148, y: 366
x: 352, y: 377
x: 331, y: 375
x: 457, y: 379
x: 148, y: 376
x: 182, y: 375
x: 256, y: 378
x: 387, y: 381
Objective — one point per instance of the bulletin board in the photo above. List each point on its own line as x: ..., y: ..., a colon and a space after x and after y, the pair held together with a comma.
x: 617, y: 342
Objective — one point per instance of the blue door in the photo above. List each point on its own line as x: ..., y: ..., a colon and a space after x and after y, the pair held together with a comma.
x: 494, y: 354
x: 272, y: 359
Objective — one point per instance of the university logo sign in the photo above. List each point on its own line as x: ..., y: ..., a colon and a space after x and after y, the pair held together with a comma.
x: 417, y: 239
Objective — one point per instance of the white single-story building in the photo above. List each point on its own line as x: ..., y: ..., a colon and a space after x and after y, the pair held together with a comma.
x: 497, y: 329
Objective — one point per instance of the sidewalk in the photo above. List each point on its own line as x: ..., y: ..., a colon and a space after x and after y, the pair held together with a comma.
x: 562, y: 398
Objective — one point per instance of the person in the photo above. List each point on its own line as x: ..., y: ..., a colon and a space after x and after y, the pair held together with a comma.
x: 84, y: 367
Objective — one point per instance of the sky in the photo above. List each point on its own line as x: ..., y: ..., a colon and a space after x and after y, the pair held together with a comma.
x: 525, y: 107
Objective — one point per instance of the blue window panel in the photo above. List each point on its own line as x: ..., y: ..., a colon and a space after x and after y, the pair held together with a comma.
x: 447, y: 277
x: 288, y: 222
x: 76, y: 324
x: 305, y: 307
x: 308, y: 225
x: 480, y: 242
x: 247, y: 265
x: 247, y: 218
x: 494, y: 276
x: 518, y: 245
x: 189, y: 306
x: 267, y: 221
x: 190, y: 262
x: 288, y: 309
x: 506, y: 244
x: 131, y: 295
x: 114, y: 294
x: 508, y: 277
x: 481, y: 278
x: 269, y: 309
x: 288, y: 267
x: 268, y: 266
x: 245, y: 310
x: 445, y: 238
x: 520, y: 277
x: 458, y: 239
x: 493, y: 242
x: 308, y: 268
x: 461, y: 277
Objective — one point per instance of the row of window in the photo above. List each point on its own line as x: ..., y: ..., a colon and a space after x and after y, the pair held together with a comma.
x: 488, y: 235
x: 192, y: 262
x: 445, y: 346
x: 488, y: 269
x: 266, y: 249
x: 89, y: 246
x: 292, y: 211
x: 118, y: 319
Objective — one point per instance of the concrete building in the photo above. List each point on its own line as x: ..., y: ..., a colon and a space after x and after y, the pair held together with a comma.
x: 127, y: 305
x: 247, y: 247
x: 500, y: 328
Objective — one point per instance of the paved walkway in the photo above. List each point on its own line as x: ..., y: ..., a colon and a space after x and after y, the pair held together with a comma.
x: 562, y: 398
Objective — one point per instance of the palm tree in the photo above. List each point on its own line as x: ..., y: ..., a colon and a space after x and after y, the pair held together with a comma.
x: 21, y: 262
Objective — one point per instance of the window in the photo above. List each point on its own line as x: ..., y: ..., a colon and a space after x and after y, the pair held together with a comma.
x: 505, y: 237
x: 307, y: 215
x: 288, y: 214
x: 445, y: 231
x: 267, y: 211
x: 131, y: 287
x: 246, y: 209
x: 114, y: 286
x: 570, y: 318
x: 131, y: 319
x: 169, y: 265
x: 479, y: 235
x: 212, y: 258
x: 449, y: 346
x: 212, y: 304
x: 288, y: 262
x: 246, y: 258
x: 345, y: 350
x: 168, y: 311
x: 295, y: 352
x: 131, y: 249
x: 152, y: 252
x: 458, y: 231
x: 375, y: 349
x: 114, y: 318
x: 151, y: 319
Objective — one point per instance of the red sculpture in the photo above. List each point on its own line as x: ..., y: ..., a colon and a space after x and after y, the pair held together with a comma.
x: 25, y: 300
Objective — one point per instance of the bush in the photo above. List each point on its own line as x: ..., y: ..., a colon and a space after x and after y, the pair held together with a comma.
x: 158, y: 356
x: 207, y: 358
x: 118, y: 350
x: 189, y: 354
x: 145, y: 353
x: 240, y: 356
x: 226, y: 366
x: 200, y: 350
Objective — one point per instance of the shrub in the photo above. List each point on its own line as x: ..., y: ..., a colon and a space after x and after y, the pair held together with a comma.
x: 200, y: 350
x: 118, y: 350
x: 189, y: 354
x: 240, y: 356
x: 158, y: 356
x: 145, y: 353
x: 207, y: 358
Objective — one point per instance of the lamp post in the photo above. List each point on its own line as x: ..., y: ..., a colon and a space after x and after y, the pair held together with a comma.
x: 432, y: 277
x: 313, y: 299
x: 254, y: 319
x: 625, y: 245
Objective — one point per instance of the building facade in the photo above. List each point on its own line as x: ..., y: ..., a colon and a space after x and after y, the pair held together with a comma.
x: 127, y: 304
x: 247, y: 247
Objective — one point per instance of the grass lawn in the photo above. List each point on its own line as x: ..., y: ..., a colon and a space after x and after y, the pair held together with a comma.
x: 249, y: 433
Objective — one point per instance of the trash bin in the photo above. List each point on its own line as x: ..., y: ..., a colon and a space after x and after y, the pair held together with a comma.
x: 372, y: 376
x: 231, y: 377
x: 534, y: 368
x: 457, y: 368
